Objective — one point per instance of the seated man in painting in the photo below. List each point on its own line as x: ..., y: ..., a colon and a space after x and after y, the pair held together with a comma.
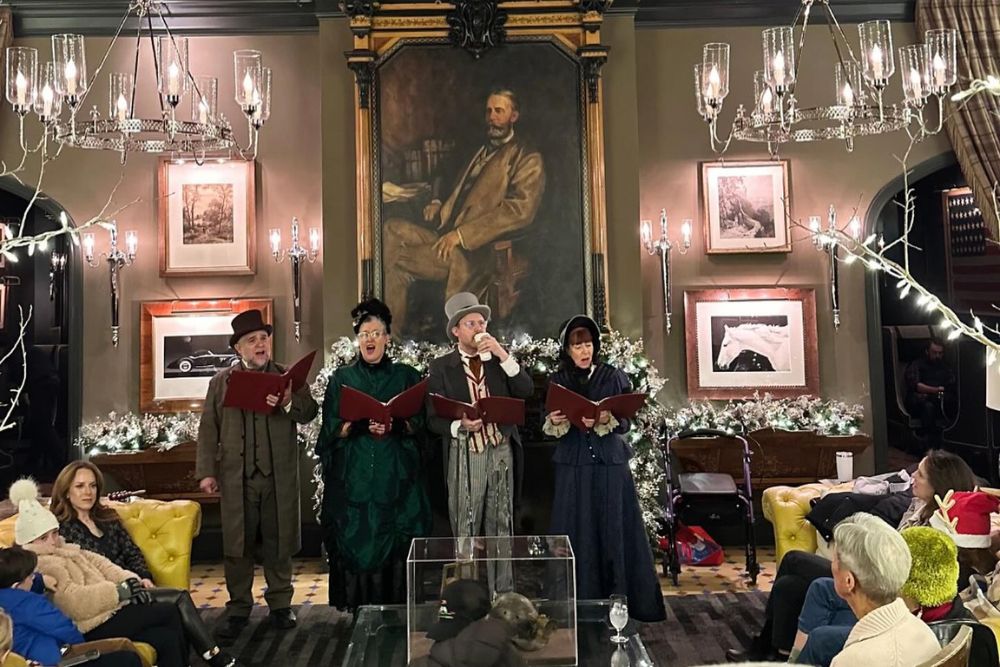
x: 930, y: 386
x: 498, y: 193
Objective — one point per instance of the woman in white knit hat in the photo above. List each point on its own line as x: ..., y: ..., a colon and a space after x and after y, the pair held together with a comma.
x: 103, y: 599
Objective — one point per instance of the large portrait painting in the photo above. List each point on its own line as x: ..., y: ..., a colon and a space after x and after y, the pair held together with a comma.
x: 481, y: 188
x: 207, y: 218
x: 183, y: 344
x: 480, y: 162
x: 745, y: 206
x: 742, y: 341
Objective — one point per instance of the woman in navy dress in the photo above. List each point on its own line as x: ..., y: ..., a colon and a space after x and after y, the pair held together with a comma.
x: 595, y: 498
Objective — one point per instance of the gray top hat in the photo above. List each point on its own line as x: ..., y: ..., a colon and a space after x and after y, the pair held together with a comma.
x: 460, y: 305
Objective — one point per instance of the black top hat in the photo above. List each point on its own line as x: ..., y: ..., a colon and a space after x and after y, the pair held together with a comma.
x: 466, y: 601
x: 247, y: 322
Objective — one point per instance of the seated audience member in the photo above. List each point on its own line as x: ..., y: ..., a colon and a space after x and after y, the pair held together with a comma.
x: 871, y: 562
x: 937, y: 472
x: 103, y: 599
x: 930, y: 592
x: 86, y: 521
x: 930, y: 389
x: 41, y: 631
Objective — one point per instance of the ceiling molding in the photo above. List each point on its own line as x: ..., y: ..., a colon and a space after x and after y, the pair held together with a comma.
x: 240, y: 17
x: 190, y: 17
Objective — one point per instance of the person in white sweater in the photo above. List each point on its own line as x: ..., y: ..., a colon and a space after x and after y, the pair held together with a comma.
x: 871, y: 563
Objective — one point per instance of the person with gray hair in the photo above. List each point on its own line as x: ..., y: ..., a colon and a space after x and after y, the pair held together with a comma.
x: 871, y: 562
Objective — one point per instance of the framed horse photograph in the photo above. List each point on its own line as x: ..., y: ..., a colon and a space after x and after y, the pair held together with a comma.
x: 745, y: 341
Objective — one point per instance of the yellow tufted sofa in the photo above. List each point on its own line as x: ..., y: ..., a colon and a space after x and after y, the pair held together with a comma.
x: 163, y: 531
x: 786, y: 508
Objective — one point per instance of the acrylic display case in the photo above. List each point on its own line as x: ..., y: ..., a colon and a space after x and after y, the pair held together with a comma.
x: 541, y: 568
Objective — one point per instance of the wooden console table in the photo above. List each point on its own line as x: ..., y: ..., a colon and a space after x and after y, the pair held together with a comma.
x: 777, y: 457
x: 165, y: 475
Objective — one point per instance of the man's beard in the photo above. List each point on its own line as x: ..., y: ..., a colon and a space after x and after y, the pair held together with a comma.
x: 496, y: 133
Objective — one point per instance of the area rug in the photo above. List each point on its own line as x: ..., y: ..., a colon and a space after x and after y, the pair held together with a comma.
x: 698, y: 630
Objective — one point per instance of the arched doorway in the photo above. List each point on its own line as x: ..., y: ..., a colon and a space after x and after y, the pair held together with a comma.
x: 48, y: 415
x: 890, y: 318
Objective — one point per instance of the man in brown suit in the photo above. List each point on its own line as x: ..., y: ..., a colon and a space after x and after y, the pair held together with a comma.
x: 252, y: 460
x: 497, y: 194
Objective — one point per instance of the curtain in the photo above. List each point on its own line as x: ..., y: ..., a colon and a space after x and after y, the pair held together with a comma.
x: 974, y: 128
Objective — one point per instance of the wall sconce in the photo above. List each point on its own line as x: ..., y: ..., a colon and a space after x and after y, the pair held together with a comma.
x: 662, y: 247
x: 296, y: 254
x: 117, y: 259
x: 826, y: 241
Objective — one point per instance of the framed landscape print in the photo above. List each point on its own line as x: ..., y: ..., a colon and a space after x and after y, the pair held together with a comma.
x: 745, y: 206
x: 207, y: 218
x: 182, y: 345
x: 741, y: 341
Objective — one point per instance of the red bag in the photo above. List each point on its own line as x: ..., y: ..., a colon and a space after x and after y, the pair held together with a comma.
x: 696, y: 547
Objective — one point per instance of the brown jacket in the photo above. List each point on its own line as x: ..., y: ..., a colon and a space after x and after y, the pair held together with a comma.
x: 220, y: 455
x: 86, y: 583
x: 504, y: 198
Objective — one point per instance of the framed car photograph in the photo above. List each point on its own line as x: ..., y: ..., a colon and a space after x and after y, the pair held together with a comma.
x: 745, y: 206
x: 207, y: 218
x: 182, y: 345
x: 742, y: 341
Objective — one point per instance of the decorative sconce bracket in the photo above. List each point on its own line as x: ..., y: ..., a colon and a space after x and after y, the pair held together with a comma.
x: 592, y: 58
x: 362, y: 63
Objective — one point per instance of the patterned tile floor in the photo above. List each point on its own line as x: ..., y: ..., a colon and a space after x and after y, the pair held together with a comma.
x: 208, y: 586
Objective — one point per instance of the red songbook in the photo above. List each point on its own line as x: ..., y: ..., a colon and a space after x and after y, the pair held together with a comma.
x: 357, y: 405
x: 491, y: 409
x: 248, y: 390
x: 577, y: 407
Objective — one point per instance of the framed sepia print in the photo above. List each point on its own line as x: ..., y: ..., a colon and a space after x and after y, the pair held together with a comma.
x: 496, y: 187
x: 742, y: 341
x: 207, y: 218
x: 182, y: 345
x: 745, y: 206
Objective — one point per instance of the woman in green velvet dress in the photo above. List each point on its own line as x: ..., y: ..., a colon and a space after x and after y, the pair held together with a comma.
x: 374, y: 503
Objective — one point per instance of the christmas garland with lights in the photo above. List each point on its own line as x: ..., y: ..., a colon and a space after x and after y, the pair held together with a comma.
x: 653, y: 422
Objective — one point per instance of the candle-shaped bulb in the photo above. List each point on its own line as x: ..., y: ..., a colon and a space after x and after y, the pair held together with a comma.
x: 767, y: 101
x: 937, y: 64
x: 21, y: 84
x: 686, y: 233
x: 314, y: 239
x: 778, y: 68
x: 854, y: 228
x: 202, y: 112
x: 275, y: 236
x: 814, y: 224
x: 848, y: 95
x: 70, y: 74
x: 248, y: 89
x: 121, y: 107
x: 876, y: 59
x: 173, y: 79
x: 47, y: 97
x: 646, y: 232
x: 916, y: 87
x: 714, y: 84
x: 131, y: 242
x: 88, y: 246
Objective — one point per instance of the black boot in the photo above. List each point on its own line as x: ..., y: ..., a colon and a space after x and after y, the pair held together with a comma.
x: 223, y: 659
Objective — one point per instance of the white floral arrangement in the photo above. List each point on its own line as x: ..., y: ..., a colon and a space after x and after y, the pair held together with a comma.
x: 802, y: 413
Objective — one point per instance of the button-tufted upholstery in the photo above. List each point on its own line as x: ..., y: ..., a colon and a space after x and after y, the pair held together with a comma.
x: 786, y: 508
x: 164, y: 532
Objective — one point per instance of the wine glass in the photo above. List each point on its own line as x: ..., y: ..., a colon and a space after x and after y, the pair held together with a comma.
x: 619, y: 617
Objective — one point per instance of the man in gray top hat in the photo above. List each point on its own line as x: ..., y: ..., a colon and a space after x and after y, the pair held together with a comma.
x: 482, y: 461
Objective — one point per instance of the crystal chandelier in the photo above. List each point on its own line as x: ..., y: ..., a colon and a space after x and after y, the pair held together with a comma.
x: 193, y: 130
x: 858, y: 108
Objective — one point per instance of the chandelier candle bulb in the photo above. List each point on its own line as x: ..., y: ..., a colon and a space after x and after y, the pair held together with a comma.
x: 248, y: 90
x: 173, y: 80
x: 939, y: 71
x: 70, y: 73
x: 766, y: 102
x: 877, y: 66
x: 121, y: 107
x: 46, y: 101
x: 714, y: 83
x: 915, y: 84
x: 779, y: 69
x: 21, y: 83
